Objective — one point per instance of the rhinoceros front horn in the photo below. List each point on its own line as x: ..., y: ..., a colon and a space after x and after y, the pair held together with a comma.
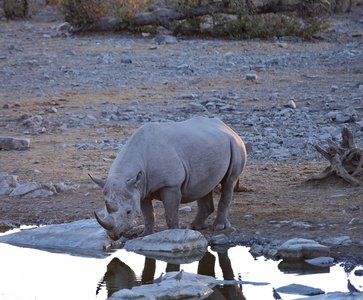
x: 108, y: 222
x: 100, y: 182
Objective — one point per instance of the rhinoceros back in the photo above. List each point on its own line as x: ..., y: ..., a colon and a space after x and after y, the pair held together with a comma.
x: 194, y: 155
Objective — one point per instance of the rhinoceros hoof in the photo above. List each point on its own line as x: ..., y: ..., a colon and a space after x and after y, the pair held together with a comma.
x: 222, y: 226
x: 194, y: 226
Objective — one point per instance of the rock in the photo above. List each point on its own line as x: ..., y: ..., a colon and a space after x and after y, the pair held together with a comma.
x: 251, y: 76
x: 7, y: 183
x: 198, y: 107
x: 321, y: 261
x: 298, y: 289
x: 126, y: 61
x: 220, y: 239
x: 302, y: 225
x: 64, y: 27
x: 334, y: 88
x: 51, y: 109
x: 187, y: 96
x: 185, y: 208
x: 278, y: 153
x: 173, y: 245
x: 291, y: 104
x: 60, y: 187
x: 191, y: 286
x: 34, y: 121
x: 256, y: 250
x: 101, y: 131
x: 23, y: 189
x: 334, y: 296
x: 85, y: 237
x: 347, y: 115
x: 297, y: 249
x: 163, y: 39
x: 342, y: 240
x: 41, y: 193
x: 8, y: 143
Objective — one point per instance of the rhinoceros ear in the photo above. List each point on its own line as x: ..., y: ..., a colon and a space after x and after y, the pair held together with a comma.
x: 135, y: 181
x: 100, y: 182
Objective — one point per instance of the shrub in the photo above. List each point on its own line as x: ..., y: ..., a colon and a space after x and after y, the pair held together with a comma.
x: 81, y: 12
x: 16, y: 8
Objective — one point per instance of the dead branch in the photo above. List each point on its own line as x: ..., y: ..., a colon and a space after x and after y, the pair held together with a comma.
x: 346, y: 160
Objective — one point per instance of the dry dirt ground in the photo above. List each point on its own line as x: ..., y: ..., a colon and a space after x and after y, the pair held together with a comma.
x: 276, y: 196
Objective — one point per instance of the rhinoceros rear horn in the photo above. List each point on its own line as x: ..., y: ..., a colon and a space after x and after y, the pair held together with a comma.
x: 100, y: 182
x: 108, y: 222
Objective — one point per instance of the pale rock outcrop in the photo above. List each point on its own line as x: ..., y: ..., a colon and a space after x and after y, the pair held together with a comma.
x: 297, y: 249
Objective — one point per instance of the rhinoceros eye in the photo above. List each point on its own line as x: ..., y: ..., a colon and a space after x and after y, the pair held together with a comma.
x: 128, y: 212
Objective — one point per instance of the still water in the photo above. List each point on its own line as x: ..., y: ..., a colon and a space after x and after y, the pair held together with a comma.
x: 34, y: 274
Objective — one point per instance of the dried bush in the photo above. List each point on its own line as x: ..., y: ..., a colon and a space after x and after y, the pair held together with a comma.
x: 16, y: 8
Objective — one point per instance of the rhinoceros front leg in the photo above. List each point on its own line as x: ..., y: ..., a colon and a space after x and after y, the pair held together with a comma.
x: 221, y: 221
x: 171, y: 198
x: 205, y: 208
x: 148, y: 213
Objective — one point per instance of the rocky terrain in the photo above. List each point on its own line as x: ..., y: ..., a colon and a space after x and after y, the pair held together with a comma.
x: 79, y: 98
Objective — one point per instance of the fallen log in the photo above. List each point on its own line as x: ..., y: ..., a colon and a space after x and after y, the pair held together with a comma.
x: 167, y: 17
x: 346, y: 160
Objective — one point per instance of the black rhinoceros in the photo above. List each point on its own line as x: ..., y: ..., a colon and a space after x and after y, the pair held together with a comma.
x: 176, y: 162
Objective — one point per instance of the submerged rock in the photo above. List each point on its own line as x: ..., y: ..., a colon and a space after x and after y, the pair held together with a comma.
x: 321, y: 261
x: 191, y: 286
x: 334, y: 296
x: 298, y: 289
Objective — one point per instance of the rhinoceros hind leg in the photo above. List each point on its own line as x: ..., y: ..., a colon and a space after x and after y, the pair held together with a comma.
x: 205, y: 208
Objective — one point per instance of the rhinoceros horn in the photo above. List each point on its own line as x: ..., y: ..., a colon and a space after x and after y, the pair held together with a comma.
x: 100, y: 182
x: 108, y: 222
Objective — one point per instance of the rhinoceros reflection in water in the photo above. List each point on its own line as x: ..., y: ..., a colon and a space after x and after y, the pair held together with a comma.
x: 175, y: 163
x: 118, y: 276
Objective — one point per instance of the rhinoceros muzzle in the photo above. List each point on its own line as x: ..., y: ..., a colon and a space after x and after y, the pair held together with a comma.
x: 107, y: 222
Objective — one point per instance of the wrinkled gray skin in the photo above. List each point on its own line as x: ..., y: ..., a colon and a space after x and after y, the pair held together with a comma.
x: 174, y: 163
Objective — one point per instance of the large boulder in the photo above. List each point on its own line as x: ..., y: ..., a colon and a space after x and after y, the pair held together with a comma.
x: 177, y: 246
x: 298, y: 249
x: 85, y: 237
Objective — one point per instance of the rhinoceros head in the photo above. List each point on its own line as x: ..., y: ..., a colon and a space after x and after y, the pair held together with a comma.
x: 122, y: 204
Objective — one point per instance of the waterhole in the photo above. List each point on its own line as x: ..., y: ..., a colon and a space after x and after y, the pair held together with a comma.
x: 34, y: 274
